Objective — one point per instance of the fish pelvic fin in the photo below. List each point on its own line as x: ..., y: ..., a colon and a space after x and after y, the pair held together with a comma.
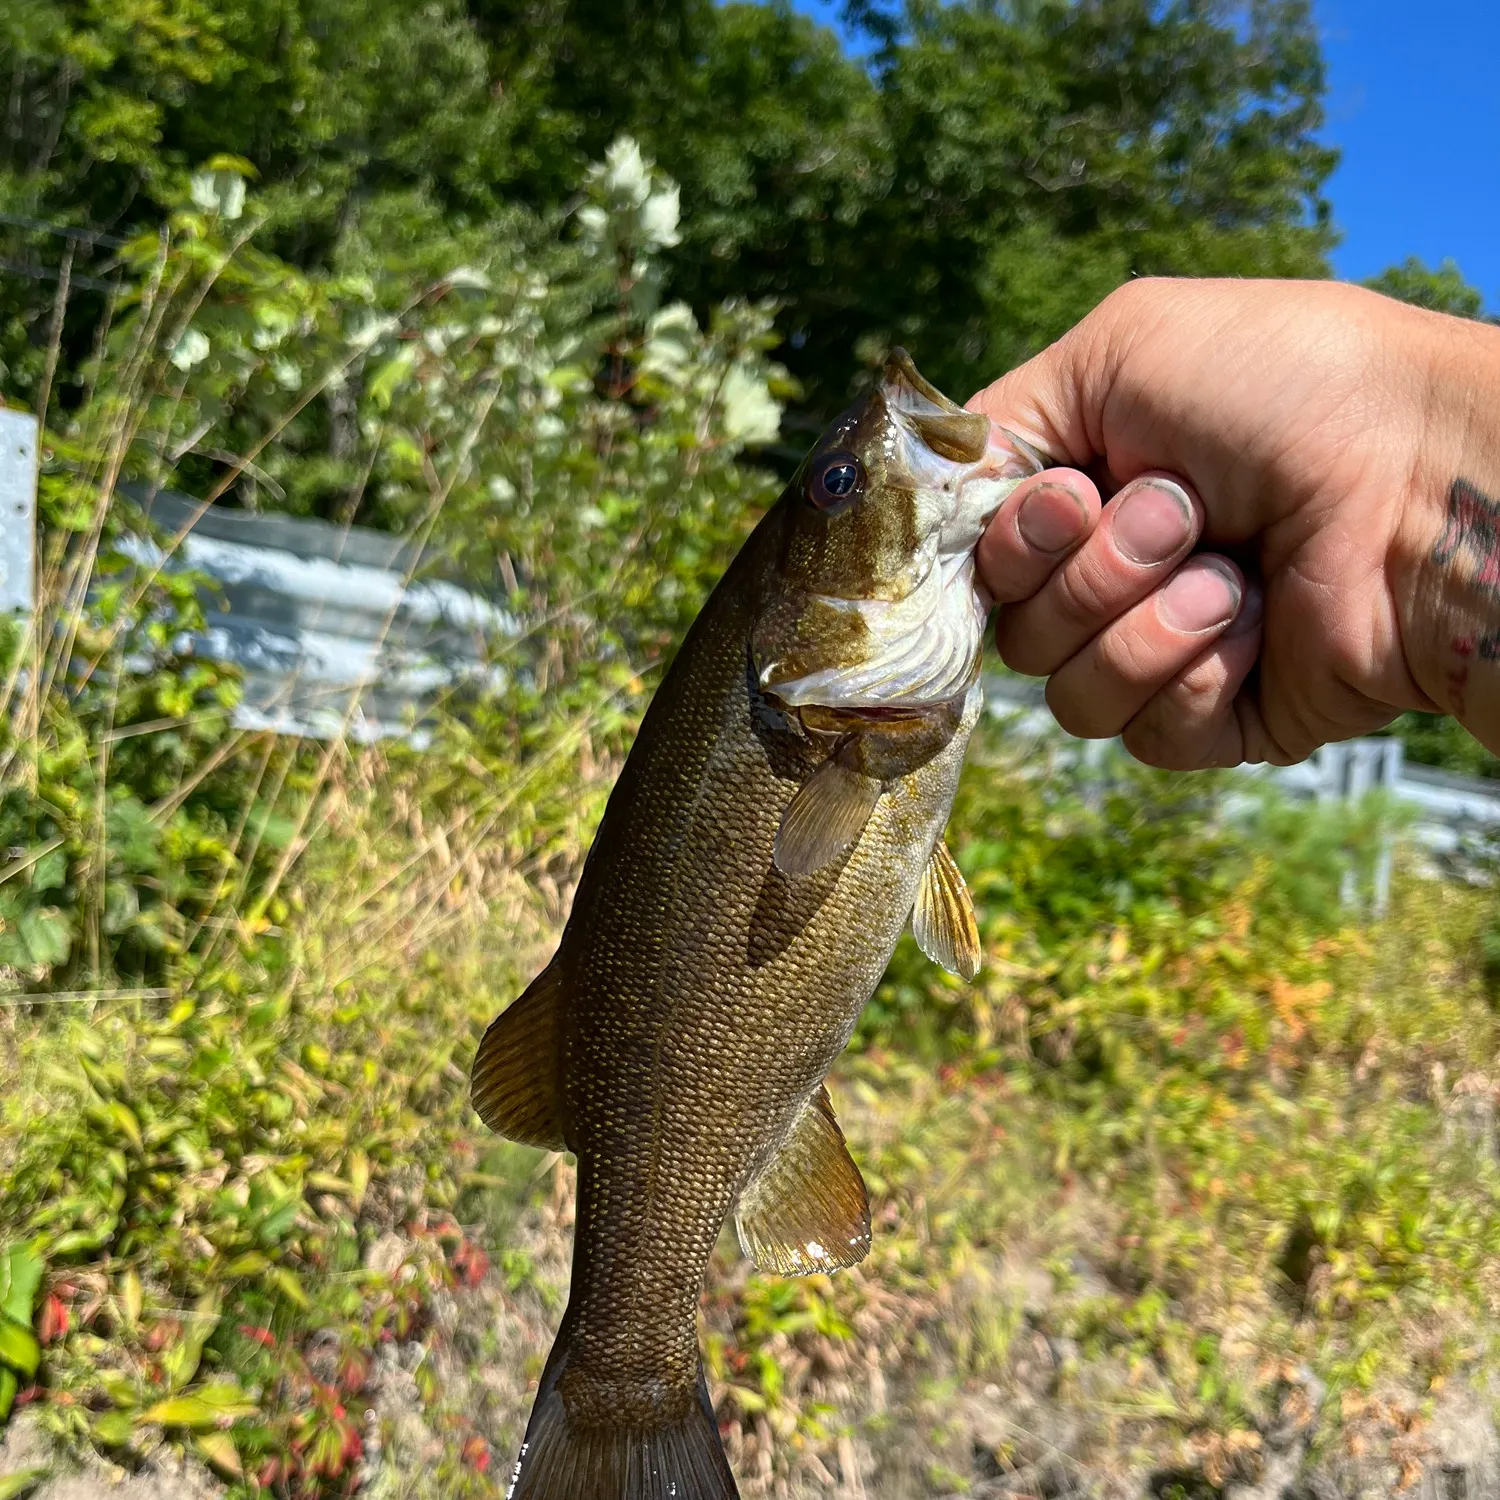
x: 808, y: 1210
x: 514, y: 1085
x: 943, y: 920
x: 825, y: 819
x: 562, y: 1460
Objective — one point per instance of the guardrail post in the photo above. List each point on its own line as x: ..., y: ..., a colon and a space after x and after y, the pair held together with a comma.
x: 1388, y: 778
x: 19, y: 442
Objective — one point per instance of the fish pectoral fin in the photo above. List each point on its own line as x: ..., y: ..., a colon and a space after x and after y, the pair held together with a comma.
x: 824, y: 819
x: 943, y: 920
x: 808, y: 1210
x: 514, y: 1083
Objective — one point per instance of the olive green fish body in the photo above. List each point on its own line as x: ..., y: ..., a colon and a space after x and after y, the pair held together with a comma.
x: 779, y: 818
x: 708, y: 994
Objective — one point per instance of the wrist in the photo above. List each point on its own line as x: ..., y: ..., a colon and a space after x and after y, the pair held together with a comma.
x: 1446, y: 562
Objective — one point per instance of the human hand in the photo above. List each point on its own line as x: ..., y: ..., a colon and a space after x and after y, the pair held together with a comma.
x: 1314, y: 435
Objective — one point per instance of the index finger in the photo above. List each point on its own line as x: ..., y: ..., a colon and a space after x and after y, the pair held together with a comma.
x: 1043, y: 521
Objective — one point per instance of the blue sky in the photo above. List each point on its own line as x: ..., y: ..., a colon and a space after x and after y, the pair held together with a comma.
x: 1414, y: 105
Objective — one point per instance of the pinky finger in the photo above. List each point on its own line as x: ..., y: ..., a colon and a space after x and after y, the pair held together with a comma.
x: 1201, y: 719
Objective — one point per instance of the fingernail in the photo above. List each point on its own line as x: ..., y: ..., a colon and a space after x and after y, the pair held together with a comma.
x: 1052, y: 517
x: 1153, y: 522
x: 1204, y: 594
x: 1252, y: 610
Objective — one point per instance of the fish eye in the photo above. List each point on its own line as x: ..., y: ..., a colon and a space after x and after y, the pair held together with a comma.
x: 835, y: 481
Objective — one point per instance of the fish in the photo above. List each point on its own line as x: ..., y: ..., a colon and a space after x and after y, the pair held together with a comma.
x: 778, y: 821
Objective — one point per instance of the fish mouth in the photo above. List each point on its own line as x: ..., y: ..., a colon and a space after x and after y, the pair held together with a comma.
x: 940, y: 423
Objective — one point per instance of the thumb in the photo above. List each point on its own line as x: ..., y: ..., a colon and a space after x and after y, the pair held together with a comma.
x: 1055, y: 400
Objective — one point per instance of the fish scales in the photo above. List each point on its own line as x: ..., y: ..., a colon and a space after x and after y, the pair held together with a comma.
x: 716, y: 957
x: 695, y: 1046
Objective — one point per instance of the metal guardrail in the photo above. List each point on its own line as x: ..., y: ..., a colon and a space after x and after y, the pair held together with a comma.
x: 331, y: 631
x: 19, y: 441
x: 1446, y: 804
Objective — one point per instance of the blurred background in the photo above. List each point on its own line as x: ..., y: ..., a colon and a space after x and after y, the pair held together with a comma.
x: 386, y: 385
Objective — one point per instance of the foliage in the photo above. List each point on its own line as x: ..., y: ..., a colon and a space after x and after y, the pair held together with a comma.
x: 1443, y: 290
x: 136, y: 814
x: 1438, y: 740
x: 408, y: 272
x: 928, y: 192
x: 1244, y: 1134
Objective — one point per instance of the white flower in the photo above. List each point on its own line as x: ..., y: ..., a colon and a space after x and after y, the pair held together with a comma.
x: 626, y: 174
x: 219, y: 192
x: 191, y: 349
x: 594, y: 220
x: 659, y: 218
x: 468, y: 278
x: 671, y: 336
x: 751, y: 413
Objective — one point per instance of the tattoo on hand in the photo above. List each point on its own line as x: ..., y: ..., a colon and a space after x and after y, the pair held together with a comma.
x: 1472, y: 530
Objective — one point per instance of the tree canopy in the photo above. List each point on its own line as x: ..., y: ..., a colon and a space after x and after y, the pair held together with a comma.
x: 970, y: 183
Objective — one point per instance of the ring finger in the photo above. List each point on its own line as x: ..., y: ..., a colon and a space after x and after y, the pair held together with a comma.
x: 1102, y: 689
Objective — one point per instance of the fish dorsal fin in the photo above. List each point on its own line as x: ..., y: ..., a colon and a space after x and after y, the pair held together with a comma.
x: 514, y: 1085
x: 943, y: 921
x: 808, y: 1210
x: 824, y: 819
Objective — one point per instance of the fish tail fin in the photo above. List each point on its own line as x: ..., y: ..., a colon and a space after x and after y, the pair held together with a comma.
x: 562, y: 1460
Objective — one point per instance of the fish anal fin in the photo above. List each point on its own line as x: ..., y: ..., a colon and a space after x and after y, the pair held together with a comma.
x: 824, y: 819
x: 943, y: 920
x: 808, y: 1210
x: 514, y: 1084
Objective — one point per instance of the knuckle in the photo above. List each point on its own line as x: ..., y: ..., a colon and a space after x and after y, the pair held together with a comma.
x: 1197, y: 692
x: 1155, y: 741
x: 1022, y: 645
x: 1078, y: 593
x: 1132, y: 657
x: 1082, y: 715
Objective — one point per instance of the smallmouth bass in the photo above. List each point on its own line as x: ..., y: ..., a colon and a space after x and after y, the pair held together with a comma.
x: 779, y: 818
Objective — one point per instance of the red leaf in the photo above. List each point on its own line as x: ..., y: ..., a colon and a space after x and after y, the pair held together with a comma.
x: 52, y: 1321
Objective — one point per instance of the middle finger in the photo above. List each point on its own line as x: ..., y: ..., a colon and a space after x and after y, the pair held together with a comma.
x: 1146, y: 530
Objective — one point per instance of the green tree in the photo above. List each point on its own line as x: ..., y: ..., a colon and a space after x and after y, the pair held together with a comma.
x: 970, y: 184
x: 1443, y: 290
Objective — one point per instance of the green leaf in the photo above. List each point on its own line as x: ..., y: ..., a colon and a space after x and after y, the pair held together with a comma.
x: 19, y: 1348
x: 180, y: 1362
x: 388, y: 379
x: 218, y: 1448
x: 287, y: 1282
x: 197, y: 1410
x: 228, y: 1398
x: 249, y: 1264
x: 20, y: 1276
x: 50, y: 872
x: 132, y: 1296
x: 20, y: 1482
x: 10, y: 1383
x: 124, y: 1117
x: 47, y: 934
x: 114, y: 1428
